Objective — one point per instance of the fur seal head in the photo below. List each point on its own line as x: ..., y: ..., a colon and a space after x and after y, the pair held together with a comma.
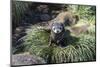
x: 57, y: 28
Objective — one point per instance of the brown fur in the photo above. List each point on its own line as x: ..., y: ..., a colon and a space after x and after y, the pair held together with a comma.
x: 80, y: 29
x: 66, y: 18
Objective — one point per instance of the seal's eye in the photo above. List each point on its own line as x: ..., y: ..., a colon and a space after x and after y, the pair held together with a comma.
x: 60, y: 28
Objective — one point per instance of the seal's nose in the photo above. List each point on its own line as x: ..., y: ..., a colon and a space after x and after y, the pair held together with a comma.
x: 57, y: 31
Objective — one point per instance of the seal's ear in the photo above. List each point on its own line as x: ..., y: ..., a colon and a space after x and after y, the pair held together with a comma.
x: 62, y: 25
x: 50, y: 25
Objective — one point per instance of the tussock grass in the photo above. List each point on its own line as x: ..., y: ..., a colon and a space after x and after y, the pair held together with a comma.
x: 80, y: 48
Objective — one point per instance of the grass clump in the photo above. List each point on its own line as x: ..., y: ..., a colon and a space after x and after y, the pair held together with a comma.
x: 78, y: 49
